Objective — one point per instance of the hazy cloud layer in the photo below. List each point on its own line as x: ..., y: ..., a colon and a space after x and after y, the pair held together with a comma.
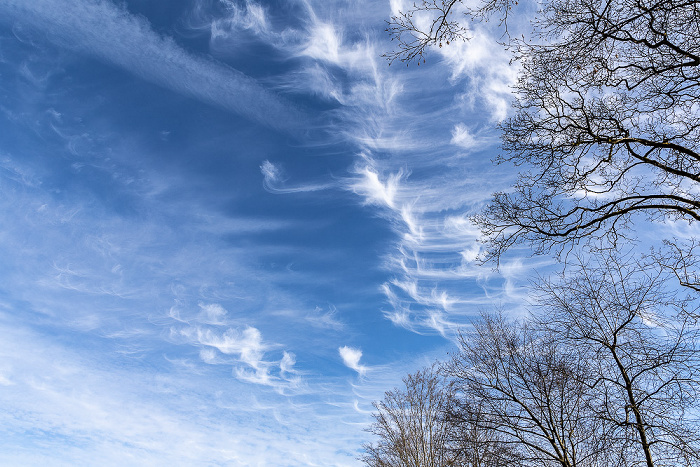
x: 101, y: 29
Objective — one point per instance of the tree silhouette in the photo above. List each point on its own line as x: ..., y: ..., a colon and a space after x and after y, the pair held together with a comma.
x: 640, y: 341
x: 606, y: 123
x: 410, y: 426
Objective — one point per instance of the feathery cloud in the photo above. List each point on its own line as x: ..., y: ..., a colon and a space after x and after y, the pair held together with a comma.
x: 351, y: 358
x: 274, y: 181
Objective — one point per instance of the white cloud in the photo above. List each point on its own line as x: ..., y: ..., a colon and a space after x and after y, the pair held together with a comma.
x: 4, y: 381
x: 397, y: 6
x: 435, y: 248
x: 271, y: 172
x: 319, y: 81
x: 238, y: 24
x: 246, y: 345
x: 489, y: 69
x: 324, y: 43
x: 374, y: 189
x: 287, y: 363
x: 351, y: 358
x: 244, y: 349
x: 100, y: 29
x: 325, y: 320
x: 463, y: 137
x: 273, y: 181
x: 209, y: 356
x: 175, y: 416
x: 251, y: 18
x: 211, y: 313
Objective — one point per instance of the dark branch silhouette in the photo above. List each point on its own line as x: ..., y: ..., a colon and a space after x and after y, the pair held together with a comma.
x: 606, y: 125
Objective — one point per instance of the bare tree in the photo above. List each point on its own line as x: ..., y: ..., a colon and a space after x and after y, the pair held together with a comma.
x: 606, y: 128
x: 478, y: 445
x: 604, y: 373
x: 512, y: 380
x: 410, y: 427
x: 423, y: 425
x: 412, y: 40
x: 606, y: 123
x: 641, y: 345
x: 681, y: 259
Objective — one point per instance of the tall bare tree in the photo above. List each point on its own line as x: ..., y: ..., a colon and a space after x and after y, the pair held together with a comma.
x: 606, y: 130
x: 514, y: 381
x: 606, y: 123
x: 605, y: 373
x: 472, y: 437
x: 640, y: 340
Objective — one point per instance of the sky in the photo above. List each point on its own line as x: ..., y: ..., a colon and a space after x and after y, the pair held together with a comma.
x: 228, y: 226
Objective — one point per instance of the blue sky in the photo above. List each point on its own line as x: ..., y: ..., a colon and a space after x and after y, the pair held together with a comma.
x: 228, y: 226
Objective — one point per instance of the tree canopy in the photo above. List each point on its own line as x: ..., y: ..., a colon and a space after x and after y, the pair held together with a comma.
x: 606, y: 127
x: 607, y: 116
x: 605, y: 372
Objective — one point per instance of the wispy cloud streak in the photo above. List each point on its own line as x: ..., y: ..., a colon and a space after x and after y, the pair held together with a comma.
x: 274, y: 181
x: 417, y: 154
x: 417, y: 160
x: 101, y: 29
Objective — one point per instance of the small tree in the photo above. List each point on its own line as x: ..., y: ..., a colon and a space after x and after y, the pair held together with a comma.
x: 424, y: 425
x: 410, y: 426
